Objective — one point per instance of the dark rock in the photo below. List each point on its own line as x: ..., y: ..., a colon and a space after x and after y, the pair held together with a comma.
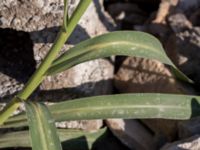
x: 192, y: 143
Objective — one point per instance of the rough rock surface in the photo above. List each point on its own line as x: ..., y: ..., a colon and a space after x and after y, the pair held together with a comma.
x: 37, y: 23
x: 140, y: 75
x: 132, y: 133
x: 185, y: 43
x: 189, y: 128
x: 87, y: 125
x: 128, y: 13
x: 164, y: 129
x: 165, y: 7
x: 42, y: 22
x: 192, y: 143
x: 191, y: 4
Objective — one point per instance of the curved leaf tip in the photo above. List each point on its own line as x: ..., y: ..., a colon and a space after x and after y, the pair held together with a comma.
x: 127, y: 43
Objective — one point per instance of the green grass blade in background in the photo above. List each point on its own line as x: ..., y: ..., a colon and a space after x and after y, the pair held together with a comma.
x: 42, y: 127
x: 128, y: 43
x: 71, y: 139
x: 15, y: 139
x: 134, y: 106
x: 16, y: 121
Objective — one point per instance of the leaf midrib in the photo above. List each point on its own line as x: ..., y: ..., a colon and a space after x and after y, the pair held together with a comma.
x: 107, y: 44
x: 41, y: 126
x: 89, y: 108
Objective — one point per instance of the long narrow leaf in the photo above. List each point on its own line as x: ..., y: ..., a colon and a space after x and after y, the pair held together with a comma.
x: 127, y: 106
x: 129, y: 43
x: 71, y: 138
x: 42, y: 128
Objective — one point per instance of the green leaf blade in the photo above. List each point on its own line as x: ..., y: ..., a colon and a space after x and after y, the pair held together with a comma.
x: 117, y: 43
x: 127, y: 106
x: 15, y: 139
x: 42, y: 127
x: 21, y: 138
x: 127, y: 43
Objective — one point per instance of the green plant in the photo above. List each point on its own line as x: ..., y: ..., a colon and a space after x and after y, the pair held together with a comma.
x: 40, y: 118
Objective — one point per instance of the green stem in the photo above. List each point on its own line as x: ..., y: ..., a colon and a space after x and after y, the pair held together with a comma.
x: 65, y: 19
x: 38, y: 76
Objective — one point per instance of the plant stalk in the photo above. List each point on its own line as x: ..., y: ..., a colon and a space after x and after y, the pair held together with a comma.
x: 38, y: 76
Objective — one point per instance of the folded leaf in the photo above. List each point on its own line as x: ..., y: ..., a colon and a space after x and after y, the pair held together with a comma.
x: 128, y: 43
x: 42, y: 128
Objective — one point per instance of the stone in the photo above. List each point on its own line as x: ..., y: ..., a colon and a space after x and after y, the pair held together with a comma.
x: 194, y: 18
x: 137, y: 75
x: 189, y: 5
x: 36, y: 23
x: 184, y: 44
x: 189, y: 128
x: 165, y: 8
x: 179, y: 22
x: 42, y: 26
x: 163, y: 128
x: 180, y: 38
x: 132, y: 133
x: 140, y: 75
x: 87, y: 78
x: 127, y: 12
x: 192, y: 143
x: 87, y: 125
